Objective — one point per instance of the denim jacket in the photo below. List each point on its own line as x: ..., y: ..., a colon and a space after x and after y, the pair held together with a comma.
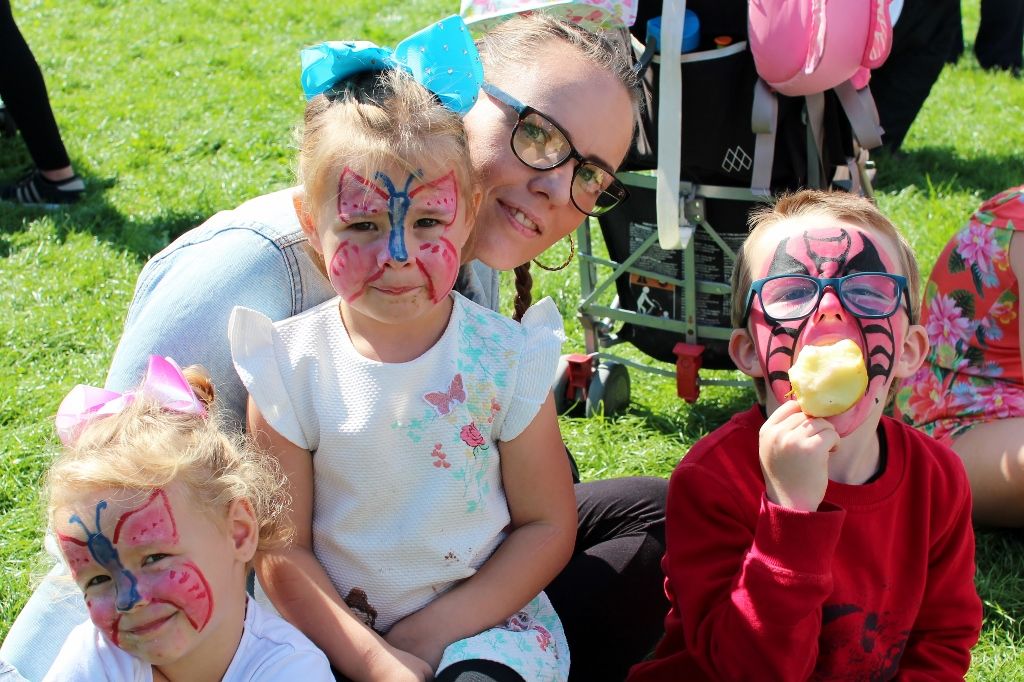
x: 254, y: 256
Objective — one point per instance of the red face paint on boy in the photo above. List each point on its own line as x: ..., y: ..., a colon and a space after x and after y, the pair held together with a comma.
x: 828, y: 252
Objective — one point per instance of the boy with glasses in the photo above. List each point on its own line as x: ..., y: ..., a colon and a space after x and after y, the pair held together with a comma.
x: 802, y: 547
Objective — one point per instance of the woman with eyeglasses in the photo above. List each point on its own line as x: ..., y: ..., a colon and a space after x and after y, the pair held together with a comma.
x: 550, y: 126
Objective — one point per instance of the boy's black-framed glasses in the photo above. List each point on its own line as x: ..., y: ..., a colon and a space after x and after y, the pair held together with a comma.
x: 541, y: 143
x: 868, y: 295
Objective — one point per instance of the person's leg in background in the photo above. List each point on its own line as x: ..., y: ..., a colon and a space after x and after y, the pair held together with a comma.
x: 1000, y: 41
x: 23, y: 91
x: 956, y: 49
x: 611, y: 597
x: 921, y: 44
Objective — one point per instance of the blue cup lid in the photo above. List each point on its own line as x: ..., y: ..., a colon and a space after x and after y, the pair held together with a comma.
x: 691, y: 31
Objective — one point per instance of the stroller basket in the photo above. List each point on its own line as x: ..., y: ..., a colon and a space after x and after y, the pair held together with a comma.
x: 664, y: 297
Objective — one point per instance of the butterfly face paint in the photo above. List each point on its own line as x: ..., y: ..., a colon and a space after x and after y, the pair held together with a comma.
x: 386, y: 225
x: 828, y: 252
x: 140, y: 582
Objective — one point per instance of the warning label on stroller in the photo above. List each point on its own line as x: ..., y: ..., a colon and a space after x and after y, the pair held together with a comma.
x: 711, y: 264
x: 654, y: 297
x: 664, y: 299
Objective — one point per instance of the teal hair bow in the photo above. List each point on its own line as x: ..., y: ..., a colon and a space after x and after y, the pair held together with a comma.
x: 441, y: 57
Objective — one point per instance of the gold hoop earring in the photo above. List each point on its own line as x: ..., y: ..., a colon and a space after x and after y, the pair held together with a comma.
x: 563, y: 266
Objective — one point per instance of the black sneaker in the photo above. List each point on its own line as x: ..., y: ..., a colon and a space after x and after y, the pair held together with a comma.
x: 35, y: 190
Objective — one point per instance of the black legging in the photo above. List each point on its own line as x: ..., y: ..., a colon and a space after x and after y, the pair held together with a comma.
x: 478, y: 670
x: 921, y: 43
x: 475, y: 670
x: 24, y: 94
x: 611, y: 598
x: 1000, y: 36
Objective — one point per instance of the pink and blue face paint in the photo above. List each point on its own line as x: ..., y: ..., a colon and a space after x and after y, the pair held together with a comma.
x: 105, y: 554
x: 175, y: 580
x: 398, y: 207
x: 439, y: 260
x: 355, y: 265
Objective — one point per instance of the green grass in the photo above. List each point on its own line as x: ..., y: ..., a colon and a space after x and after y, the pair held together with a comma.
x: 175, y: 110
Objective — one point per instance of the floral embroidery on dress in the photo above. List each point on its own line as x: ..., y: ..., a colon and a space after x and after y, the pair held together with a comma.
x: 470, y: 435
x: 479, y: 340
x: 443, y: 401
x: 522, y: 622
x: 495, y: 409
x: 440, y: 459
x: 477, y: 462
x: 467, y: 408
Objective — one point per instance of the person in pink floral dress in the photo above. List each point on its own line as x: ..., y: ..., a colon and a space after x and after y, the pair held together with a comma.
x: 969, y: 393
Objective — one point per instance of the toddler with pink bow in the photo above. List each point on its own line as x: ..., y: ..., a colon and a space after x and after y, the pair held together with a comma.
x: 433, y: 500
x: 158, y: 515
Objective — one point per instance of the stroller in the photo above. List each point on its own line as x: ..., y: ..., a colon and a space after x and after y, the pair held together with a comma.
x: 665, y: 286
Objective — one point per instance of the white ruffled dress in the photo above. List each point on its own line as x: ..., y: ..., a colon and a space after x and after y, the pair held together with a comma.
x: 408, y: 499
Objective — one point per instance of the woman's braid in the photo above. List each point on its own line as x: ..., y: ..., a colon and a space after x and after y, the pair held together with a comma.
x: 524, y: 290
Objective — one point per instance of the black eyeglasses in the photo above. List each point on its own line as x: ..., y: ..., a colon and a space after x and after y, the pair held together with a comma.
x: 540, y: 143
x: 869, y: 295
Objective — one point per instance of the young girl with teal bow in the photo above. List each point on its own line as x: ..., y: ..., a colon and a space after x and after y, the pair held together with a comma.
x: 432, y: 496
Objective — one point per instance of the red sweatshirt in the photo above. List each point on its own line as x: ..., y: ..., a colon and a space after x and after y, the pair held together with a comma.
x: 877, y: 584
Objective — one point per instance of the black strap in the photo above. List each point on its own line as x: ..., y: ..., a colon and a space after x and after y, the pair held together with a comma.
x: 645, y: 60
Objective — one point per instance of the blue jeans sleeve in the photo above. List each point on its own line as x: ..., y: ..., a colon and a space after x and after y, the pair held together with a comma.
x: 37, y: 635
x: 182, y: 302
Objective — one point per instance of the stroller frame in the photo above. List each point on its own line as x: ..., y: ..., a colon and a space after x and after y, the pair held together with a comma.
x: 597, y: 318
x: 826, y: 152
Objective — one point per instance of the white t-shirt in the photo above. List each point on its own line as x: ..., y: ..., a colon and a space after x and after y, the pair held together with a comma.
x: 271, y: 649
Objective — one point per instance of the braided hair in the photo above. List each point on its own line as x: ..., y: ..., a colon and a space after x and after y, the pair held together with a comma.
x: 524, y: 290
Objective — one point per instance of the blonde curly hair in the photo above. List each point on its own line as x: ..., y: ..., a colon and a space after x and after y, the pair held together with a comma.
x: 146, y: 447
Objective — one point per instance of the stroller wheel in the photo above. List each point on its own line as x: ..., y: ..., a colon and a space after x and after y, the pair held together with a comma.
x: 609, y: 390
x: 570, y: 405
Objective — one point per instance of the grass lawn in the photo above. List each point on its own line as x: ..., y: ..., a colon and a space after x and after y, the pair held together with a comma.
x: 174, y: 110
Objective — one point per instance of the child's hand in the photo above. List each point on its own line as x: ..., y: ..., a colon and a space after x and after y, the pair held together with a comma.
x: 399, y: 665
x: 794, y: 451
x: 410, y: 636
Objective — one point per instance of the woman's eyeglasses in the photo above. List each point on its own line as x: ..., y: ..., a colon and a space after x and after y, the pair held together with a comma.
x: 540, y: 143
x: 870, y: 295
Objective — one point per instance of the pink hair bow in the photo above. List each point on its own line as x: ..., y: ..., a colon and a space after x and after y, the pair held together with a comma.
x: 163, y: 383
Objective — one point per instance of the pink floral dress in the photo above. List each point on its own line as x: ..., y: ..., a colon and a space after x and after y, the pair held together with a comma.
x: 970, y: 310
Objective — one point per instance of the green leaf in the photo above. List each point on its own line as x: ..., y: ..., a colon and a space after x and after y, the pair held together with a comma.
x: 976, y: 277
x: 975, y: 356
x: 964, y: 301
x: 956, y: 262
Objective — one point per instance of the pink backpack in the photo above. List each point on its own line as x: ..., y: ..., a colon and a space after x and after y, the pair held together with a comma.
x: 809, y: 46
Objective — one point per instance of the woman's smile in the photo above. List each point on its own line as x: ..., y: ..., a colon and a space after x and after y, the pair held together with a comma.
x: 521, y: 221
